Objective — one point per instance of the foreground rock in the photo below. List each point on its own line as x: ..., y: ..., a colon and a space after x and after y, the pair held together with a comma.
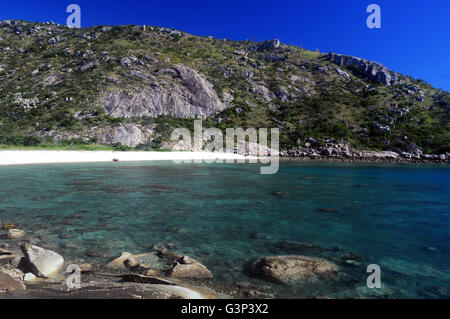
x: 9, y: 284
x: 105, y: 289
x: 190, y: 268
x: 292, y: 269
x: 161, y: 263
x: 118, y: 263
x: 147, y: 280
x: 136, y: 261
x: 42, y: 262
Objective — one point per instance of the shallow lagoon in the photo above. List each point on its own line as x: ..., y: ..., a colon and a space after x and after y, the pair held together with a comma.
x: 227, y: 215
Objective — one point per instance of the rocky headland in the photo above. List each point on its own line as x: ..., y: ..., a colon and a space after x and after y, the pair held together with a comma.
x: 131, y: 86
x: 344, y: 152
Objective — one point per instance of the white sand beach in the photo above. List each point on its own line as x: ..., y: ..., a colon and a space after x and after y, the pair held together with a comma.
x: 52, y: 157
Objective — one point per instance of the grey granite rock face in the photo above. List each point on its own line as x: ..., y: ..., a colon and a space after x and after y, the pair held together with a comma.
x: 189, y: 96
x: 372, y: 70
x: 126, y: 134
x: 129, y: 135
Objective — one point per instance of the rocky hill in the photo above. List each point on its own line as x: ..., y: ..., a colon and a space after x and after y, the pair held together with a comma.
x: 131, y: 85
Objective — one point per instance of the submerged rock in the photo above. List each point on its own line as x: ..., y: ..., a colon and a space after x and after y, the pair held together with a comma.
x: 43, y: 263
x: 328, y: 210
x: 280, y: 194
x: 292, y: 269
x: 293, y: 246
x: 352, y: 259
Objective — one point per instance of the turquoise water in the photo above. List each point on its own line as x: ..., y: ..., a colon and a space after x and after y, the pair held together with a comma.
x: 226, y: 215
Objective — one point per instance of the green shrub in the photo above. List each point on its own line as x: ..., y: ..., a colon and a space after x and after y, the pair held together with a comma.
x: 121, y: 148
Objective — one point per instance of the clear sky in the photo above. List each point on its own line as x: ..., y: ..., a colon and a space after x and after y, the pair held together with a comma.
x: 414, y: 38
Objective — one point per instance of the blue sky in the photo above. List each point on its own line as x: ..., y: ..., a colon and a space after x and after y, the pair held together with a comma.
x: 414, y: 38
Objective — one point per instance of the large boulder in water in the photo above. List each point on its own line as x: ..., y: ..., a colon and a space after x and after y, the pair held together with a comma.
x: 292, y: 269
x: 42, y: 262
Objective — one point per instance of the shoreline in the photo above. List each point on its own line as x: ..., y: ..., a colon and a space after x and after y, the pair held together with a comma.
x: 338, y: 160
x: 34, y: 157
x: 9, y: 158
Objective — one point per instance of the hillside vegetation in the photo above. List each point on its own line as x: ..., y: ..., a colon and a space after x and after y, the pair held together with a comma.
x: 130, y: 86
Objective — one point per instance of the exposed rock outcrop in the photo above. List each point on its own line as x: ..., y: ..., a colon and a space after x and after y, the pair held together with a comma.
x: 147, y: 264
x: 126, y: 134
x: 363, y: 68
x: 15, y: 234
x: 189, y: 96
x: 187, y: 267
x: 343, y: 151
x: 119, y: 262
x: 44, y: 263
x: 266, y: 45
x: 261, y: 91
